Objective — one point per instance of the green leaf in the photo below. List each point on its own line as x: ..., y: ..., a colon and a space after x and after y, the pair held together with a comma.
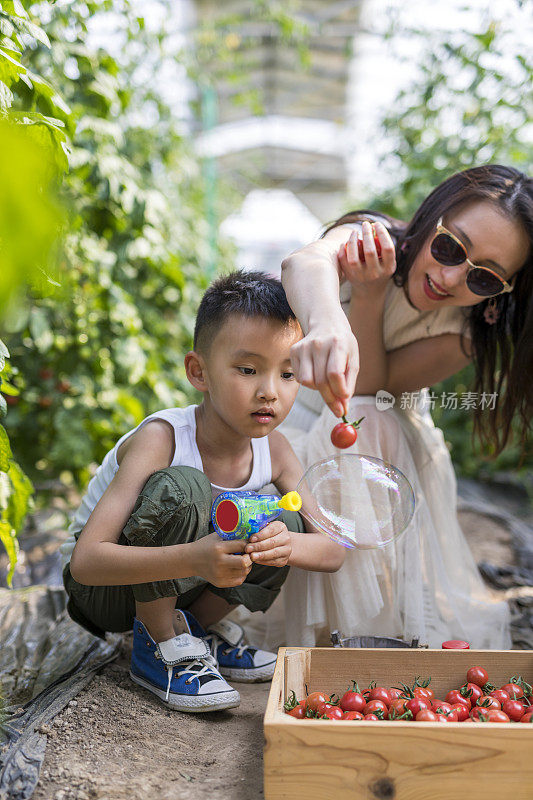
x: 8, y: 539
x: 18, y: 503
x: 5, y: 450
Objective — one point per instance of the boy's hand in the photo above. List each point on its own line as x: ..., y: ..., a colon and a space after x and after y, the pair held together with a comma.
x: 271, y: 546
x: 222, y: 563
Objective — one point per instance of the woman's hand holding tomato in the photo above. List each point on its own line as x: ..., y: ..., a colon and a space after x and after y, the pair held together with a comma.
x: 368, y: 275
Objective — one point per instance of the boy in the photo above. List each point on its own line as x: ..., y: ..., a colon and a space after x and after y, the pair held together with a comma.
x: 145, y: 556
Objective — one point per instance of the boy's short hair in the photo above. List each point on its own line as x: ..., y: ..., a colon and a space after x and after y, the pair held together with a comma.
x: 251, y: 294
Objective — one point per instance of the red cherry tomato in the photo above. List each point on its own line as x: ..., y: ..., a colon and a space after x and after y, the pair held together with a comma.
x: 528, y: 716
x: 441, y: 707
x: 371, y: 718
x: 479, y: 714
x: 426, y: 715
x: 353, y: 715
x: 472, y: 691
x: 500, y: 695
x: 513, y: 690
x: 455, y: 696
x: 399, y: 705
x: 514, y: 709
x: 352, y: 701
x: 381, y: 693
x: 334, y: 712
x: 360, y: 247
x: 394, y: 693
x: 488, y: 702
x: 298, y: 712
x: 424, y: 691
x: 343, y: 435
x: 313, y: 700
x: 324, y: 709
x: 497, y: 715
x: 416, y: 704
x: 477, y: 675
x: 377, y: 707
x: 462, y: 711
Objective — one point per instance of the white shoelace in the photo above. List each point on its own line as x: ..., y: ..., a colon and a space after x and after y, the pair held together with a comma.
x: 207, y: 664
x: 216, y: 640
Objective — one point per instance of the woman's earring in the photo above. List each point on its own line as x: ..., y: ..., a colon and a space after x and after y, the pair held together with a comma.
x: 491, y: 312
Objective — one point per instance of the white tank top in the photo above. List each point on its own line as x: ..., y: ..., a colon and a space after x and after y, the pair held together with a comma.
x: 186, y: 454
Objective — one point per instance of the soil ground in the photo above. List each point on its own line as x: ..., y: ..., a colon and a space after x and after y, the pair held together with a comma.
x: 116, y: 741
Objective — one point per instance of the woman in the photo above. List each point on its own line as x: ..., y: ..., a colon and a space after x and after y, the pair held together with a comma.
x: 453, y: 286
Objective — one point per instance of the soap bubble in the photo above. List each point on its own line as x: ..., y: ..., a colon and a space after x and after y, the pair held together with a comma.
x: 357, y: 500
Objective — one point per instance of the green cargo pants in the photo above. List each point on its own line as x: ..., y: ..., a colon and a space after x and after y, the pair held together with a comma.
x: 174, y: 507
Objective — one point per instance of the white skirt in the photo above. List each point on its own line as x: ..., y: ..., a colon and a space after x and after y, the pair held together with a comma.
x: 425, y: 585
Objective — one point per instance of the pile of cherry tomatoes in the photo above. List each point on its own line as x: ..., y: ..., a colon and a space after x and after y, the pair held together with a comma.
x: 477, y: 700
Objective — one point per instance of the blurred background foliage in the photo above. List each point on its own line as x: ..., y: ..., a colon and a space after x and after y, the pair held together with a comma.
x: 470, y: 103
x: 102, y: 351
x: 103, y: 259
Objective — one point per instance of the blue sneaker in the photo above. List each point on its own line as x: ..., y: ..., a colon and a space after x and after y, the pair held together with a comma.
x: 236, y: 660
x: 181, y: 672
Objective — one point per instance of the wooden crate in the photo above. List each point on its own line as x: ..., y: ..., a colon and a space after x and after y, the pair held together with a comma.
x: 326, y: 760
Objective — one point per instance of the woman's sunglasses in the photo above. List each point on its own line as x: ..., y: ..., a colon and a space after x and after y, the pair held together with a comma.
x: 449, y: 251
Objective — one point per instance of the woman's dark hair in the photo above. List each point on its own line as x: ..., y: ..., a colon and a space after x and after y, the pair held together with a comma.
x: 249, y: 294
x: 502, y: 352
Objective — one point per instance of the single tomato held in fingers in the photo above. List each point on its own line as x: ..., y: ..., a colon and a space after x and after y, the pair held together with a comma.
x: 344, y: 434
x: 360, y: 246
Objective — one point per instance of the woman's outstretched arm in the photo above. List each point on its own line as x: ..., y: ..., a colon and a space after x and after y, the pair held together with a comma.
x: 327, y: 358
